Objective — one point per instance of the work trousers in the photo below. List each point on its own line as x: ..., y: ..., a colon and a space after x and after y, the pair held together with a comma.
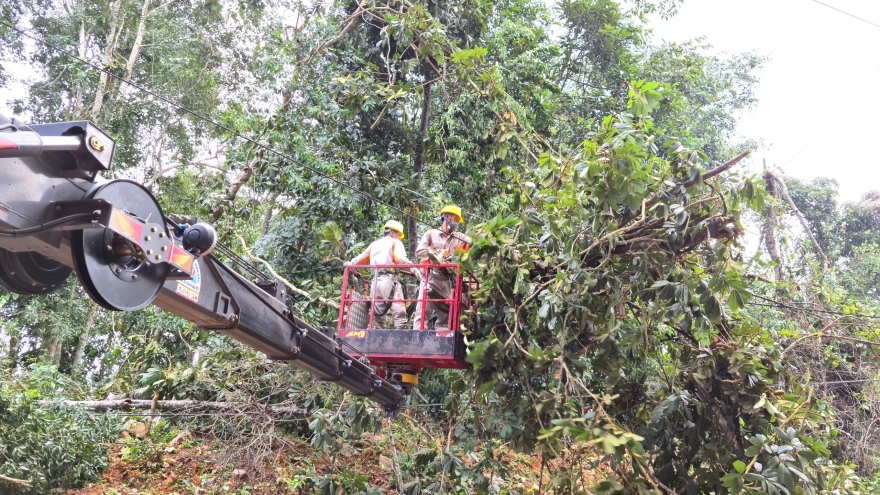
x: 441, y: 288
x: 388, y: 287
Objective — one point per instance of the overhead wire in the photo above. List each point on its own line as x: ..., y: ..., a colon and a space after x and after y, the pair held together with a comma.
x: 839, y: 382
x: 847, y: 13
x: 216, y: 124
x: 777, y: 304
x: 235, y: 258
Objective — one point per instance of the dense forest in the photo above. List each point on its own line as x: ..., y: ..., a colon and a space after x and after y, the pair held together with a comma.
x: 654, y: 316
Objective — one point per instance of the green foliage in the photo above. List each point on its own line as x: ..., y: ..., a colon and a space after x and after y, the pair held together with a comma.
x: 840, y: 229
x: 860, y: 223
x: 613, y: 319
x: 818, y: 201
x: 49, y: 446
x: 861, y: 277
x: 146, y: 455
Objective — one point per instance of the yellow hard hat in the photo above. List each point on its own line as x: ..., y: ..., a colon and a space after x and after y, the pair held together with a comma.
x: 395, y: 226
x: 452, y: 209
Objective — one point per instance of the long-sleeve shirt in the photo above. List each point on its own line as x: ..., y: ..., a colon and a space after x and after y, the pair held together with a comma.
x: 446, y: 244
x: 385, y: 251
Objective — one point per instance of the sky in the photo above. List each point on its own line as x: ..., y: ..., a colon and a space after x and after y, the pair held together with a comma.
x: 819, y: 94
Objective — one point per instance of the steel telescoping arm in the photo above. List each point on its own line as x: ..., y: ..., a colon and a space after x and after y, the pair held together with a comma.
x: 47, y: 173
x: 220, y: 299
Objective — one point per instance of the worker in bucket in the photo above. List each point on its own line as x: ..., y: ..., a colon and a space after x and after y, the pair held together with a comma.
x: 386, y: 285
x: 439, y: 245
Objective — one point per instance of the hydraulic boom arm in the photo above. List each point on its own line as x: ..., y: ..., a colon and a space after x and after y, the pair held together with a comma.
x: 57, y: 215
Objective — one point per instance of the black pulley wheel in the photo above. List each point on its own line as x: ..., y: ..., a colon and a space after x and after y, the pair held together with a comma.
x: 113, y: 271
x: 31, y: 273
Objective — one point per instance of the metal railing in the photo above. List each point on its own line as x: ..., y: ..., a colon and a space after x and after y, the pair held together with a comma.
x: 357, y: 308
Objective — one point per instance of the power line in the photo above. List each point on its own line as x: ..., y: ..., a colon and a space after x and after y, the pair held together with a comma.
x: 797, y: 154
x: 777, y: 304
x: 216, y: 124
x: 838, y: 382
x: 847, y: 13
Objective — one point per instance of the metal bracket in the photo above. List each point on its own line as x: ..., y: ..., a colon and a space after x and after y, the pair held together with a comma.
x: 223, y: 305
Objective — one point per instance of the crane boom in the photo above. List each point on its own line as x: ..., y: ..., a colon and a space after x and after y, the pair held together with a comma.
x: 58, y: 215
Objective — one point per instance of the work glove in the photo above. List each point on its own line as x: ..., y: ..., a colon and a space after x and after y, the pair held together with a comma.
x: 346, y: 263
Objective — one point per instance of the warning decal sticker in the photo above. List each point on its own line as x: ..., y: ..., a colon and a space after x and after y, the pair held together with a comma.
x: 353, y: 334
x: 190, y: 288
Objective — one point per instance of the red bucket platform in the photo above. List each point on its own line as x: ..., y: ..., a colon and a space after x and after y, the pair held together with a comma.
x: 407, y: 348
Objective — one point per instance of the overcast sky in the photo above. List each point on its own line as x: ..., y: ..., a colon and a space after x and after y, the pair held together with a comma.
x: 819, y: 109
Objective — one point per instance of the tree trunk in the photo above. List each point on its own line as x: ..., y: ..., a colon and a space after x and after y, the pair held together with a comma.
x: 108, y: 57
x: 102, y: 368
x: 15, y: 335
x: 267, y: 217
x: 16, y: 481
x: 180, y: 405
x: 729, y: 426
x: 418, y: 164
x: 13, y: 351
x: 138, y: 40
x: 56, y: 356
x: 49, y: 347
x: 84, y: 339
x: 80, y: 350
x: 77, y: 109
x: 770, y: 228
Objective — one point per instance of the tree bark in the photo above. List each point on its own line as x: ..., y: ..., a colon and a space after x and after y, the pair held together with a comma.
x: 719, y: 169
x: 13, y: 351
x: 84, y: 339
x: 108, y: 57
x: 770, y: 228
x: 15, y: 336
x: 80, y: 350
x: 355, y: 19
x: 267, y: 217
x: 49, y: 347
x: 77, y: 109
x: 180, y: 406
x: 15, y: 481
x: 138, y: 40
x: 418, y: 164
x: 56, y: 356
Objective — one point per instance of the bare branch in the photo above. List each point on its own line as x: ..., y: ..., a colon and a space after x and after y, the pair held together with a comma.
x: 783, y: 190
x: 355, y: 18
x: 719, y: 169
x: 322, y: 300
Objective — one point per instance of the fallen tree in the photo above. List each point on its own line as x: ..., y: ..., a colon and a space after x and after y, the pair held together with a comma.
x: 182, y: 406
x: 615, y: 313
x: 15, y: 481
